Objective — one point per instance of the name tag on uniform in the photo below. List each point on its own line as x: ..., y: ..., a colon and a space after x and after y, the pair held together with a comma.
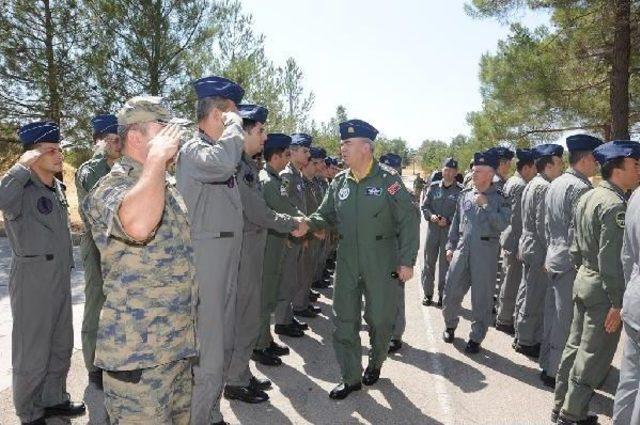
x: 374, y: 191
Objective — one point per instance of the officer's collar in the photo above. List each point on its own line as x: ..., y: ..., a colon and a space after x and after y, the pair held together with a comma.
x: 442, y: 186
x: 202, y: 135
x: 544, y: 177
x: 269, y: 169
x: 371, y: 170
x: 609, y: 185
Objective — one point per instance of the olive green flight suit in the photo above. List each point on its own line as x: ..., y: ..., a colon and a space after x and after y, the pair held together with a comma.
x: 378, y: 227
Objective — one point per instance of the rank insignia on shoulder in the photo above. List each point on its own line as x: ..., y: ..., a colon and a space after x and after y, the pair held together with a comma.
x: 620, y: 219
x: 373, y: 191
x: 394, y: 188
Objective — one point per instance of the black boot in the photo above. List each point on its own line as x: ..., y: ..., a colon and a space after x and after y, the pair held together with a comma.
x: 370, y: 375
x: 265, y: 357
x: 262, y: 384
x: 245, y: 394
x: 395, y: 345
x: 277, y: 349
x: 472, y: 347
x: 426, y: 301
x: 529, y: 350
x: 300, y: 324
x: 343, y: 390
x: 448, y: 335
x: 289, y: 330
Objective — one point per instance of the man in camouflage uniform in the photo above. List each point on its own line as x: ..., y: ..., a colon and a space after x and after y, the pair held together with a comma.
x: 105, y: 138
x: 34, y: 206
x: 146, y: 336
x: 599, y: 286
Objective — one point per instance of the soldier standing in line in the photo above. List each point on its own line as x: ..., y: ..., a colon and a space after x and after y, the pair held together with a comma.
x: 505, y: 156
x: 35, y: 211
x: 561, y: 200
x: 599, y: 285
x: 105, y: 137
x: 532, y: 249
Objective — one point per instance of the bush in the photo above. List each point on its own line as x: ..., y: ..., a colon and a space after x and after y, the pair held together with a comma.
x: 76, y: 157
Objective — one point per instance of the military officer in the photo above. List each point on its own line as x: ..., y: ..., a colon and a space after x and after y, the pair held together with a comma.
x: 511, y: 264
x: 561, y: 199
x: 505, y: 156
x: 418, y: 187
x: 34, y: 206
x: 599, y: 285
x: 105, y: 137
x: 438, y: 207
x: 205, y: 173
x: 146, y: 334
x: 378, y: 227
x: 241, y: 385
x: 482, y: 212
x: 532, y: 248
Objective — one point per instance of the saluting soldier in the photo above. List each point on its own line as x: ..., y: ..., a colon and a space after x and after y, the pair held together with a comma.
x: 107, y: 142
x: 532, y: 248
x: 36, y: 218
x: 438, y: 207
x: 599, y: 285
x: 482, y: 213
x: 561, y: 200
x: 378, y: 227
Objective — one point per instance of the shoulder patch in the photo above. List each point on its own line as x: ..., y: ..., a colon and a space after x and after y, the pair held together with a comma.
x: 620, y: 219
x: 388, y: 169
x: 394, y: 188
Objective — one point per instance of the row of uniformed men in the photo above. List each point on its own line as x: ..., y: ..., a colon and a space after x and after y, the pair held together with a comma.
x: 154, y: 234
x: 561, y: 243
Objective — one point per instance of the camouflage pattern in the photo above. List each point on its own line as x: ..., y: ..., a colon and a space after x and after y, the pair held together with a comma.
x: 141, y: 109
x: 148, y: 315
x: 162, y: 395
x: 86, y: 178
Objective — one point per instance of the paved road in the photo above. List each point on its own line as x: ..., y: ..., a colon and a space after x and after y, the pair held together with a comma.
x: 427, y: 382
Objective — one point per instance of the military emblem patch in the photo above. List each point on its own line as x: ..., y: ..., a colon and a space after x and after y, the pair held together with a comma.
x: 394, y: 188
x: 351, y: 130
x: 620, y: 219
x: 44, y: 205
x: 343, y: 193
x: 284, y: 188
x: 374, y: 191
x: 249, y: 179
x: 467, y: 205
x: 437, y: 194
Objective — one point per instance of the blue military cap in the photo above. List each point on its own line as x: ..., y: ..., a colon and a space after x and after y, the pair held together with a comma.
x: 450, y: 163
x: 488, y: 158
x: 103, y: 124
x: 547, y: 149
x: 253, y: 112
x: 502, y: 153
x: 329, y: 161
x: 582, y: 142
x: 357, y: 128
x: 317, y: 153
x: 218, y: 87
x: 391, y: 159
x: 301, y: 139
x: 37, y: 132
x: 525, y: 155
x: 277, y: 141
x: 616, y: 149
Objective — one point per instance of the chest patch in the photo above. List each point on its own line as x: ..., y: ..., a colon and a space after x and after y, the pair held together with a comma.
x: 44, y: 205
x: 620, y: 219
x: 343, y: 193
x: 394, y: 188
x: 466, y: 205
x: 437, y: 194
x: 453, y: 197
x: 374, y: 191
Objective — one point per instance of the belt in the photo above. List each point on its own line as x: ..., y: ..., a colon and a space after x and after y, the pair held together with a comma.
x: 211, y: 235
x: 33, y: 258
x: 230, y: 182
x: 487, y: 238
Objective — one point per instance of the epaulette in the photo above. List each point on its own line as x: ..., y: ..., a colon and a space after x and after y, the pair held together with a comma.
x: 388, y: 169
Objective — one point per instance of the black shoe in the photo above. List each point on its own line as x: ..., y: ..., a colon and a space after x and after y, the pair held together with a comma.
x: 289, y: 330
x: 245, y: 394
x: 439, y: 303
x: 307, y: 312
x: 39, y: 421
x: 343, y: 390
x: 300, y: 324
x: 265, y: 357
x: 529, y: 350
x: 548, y: 381
x: 320, y: 284
x: 221, y: 423
x: 95, y: 377
x: 261, y: 384
x: 68, y: 408
x: 395, y: 345
x: 508, y: 329
x: 315, y: 309
x: 370, y: 375
x: 591, y: 419
x: 426, y: 301
x: 472, y: 347
x: 448, y: 335
x: 277, y: 349
x: 314, y: 295
x: 514, y: 344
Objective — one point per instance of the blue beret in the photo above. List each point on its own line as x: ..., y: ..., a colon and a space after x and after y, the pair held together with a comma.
x: 37, y: 132
x: 616, y: 149
x: 547, y: 149
x: 301, y: 139
x: 218, y: 87
x: 526, y: 155
x: 103, y: 124
x: 488, y: 158
x: 277, y: 141
x: 582, y: 142
x: 253, y: 112
x: 317, y: 153
x: 357, y: 128
x: 391, y: 159
x: 450, y: 163
x: 502, y: 153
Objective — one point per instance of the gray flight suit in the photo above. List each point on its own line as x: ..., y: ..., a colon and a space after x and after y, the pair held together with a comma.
x: 532, y: 249
x: 258, y: 217
x: 87, y: 176
x: 293, y: 188
x: 473, y: 238
x: 511, y: 264
x: 438, y: 200
x: 626, y: 409
x: 37, y: 226
x: 561, y: 200
x: 205, y: 175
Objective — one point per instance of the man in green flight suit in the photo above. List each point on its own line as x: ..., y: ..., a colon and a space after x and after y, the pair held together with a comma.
x: 378, y: 227
x: 107, y: 142
x: 599, y: 286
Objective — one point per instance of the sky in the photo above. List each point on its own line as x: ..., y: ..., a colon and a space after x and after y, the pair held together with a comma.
x: 408, y: 67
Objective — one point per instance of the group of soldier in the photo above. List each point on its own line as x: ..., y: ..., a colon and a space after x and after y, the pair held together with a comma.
x: 564, y: 263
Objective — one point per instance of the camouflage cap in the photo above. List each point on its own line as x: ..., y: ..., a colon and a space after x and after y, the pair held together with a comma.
x: 141, y: 109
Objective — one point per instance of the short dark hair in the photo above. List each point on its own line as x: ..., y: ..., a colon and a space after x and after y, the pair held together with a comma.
x: 247, y: 124
x: 523, y: 163
x: 606, y: 170
x: 541, y: 163
x: 206, y: 104
x: 576, y: 156
x: 269, y: 152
